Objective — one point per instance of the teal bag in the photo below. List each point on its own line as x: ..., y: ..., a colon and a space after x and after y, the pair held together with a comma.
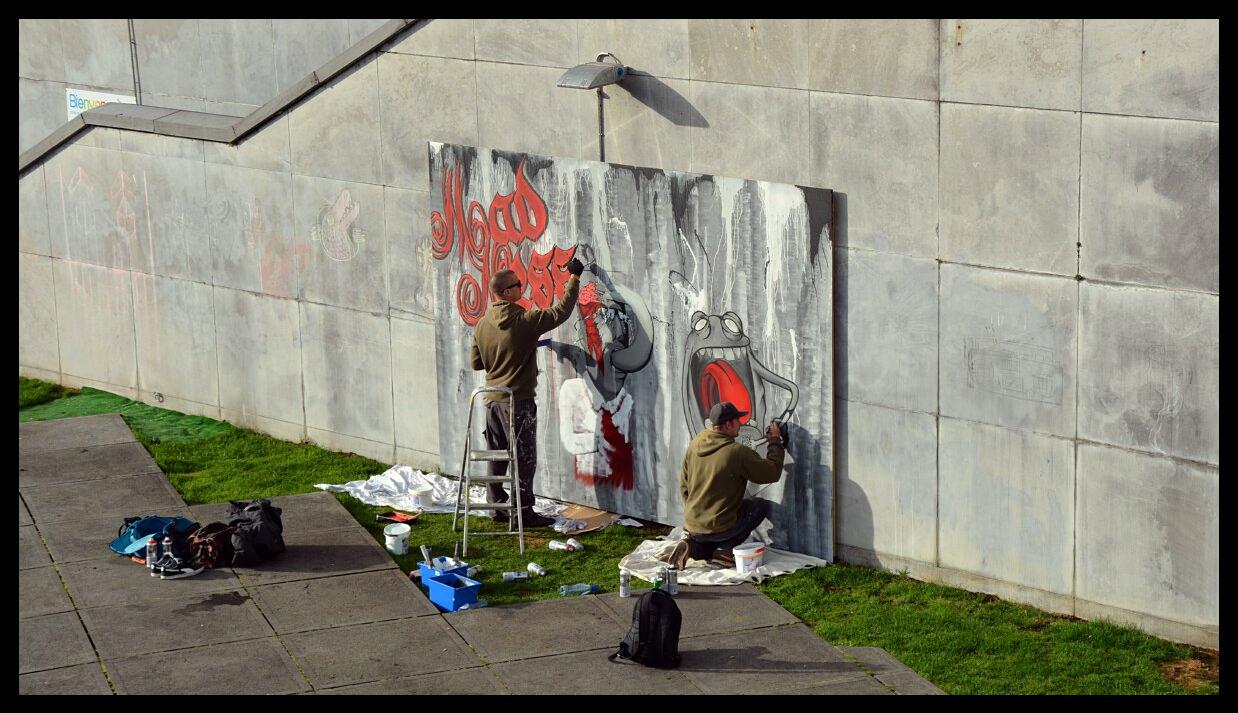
x: 135, y: 531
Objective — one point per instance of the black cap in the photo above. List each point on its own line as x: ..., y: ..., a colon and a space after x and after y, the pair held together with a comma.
x: 724, y: 411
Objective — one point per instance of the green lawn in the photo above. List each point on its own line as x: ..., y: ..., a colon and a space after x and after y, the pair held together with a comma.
x: 962, y: 641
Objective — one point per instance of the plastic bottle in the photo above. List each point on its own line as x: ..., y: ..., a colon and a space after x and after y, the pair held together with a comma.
x: 152, y: 554
x: 581, y: 588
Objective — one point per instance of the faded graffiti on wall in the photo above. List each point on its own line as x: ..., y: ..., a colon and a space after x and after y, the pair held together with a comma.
x: 698, y: 289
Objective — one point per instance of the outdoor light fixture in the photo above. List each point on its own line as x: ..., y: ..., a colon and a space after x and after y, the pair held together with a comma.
x: 595, y: 75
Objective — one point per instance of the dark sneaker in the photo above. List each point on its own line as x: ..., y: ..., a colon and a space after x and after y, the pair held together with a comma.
x: 678, y: 555
x: 535, y: 520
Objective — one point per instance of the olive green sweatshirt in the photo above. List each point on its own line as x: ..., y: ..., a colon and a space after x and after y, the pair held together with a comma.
x: 505, y: 341
x: 716, y: 472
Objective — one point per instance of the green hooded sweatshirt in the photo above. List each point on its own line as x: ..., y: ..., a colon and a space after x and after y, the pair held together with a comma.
x: 716, y: 472
x: 505, y: 341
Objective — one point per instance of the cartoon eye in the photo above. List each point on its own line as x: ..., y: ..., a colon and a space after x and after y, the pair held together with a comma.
x: 700, y: 324
x: 731, y: 324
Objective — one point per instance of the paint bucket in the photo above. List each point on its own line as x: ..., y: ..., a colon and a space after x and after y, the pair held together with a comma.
x: 423, y: 496
x: 397, y: 538
x: 748, y: 557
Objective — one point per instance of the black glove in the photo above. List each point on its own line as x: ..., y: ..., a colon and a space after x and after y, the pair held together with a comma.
x: 575, y: 267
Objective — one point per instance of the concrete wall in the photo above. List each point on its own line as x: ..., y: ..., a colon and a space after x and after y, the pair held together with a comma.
x: 1026, y: 294
x: 217, y: 66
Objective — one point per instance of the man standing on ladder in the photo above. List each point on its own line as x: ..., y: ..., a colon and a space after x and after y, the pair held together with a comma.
x: 504, y: 344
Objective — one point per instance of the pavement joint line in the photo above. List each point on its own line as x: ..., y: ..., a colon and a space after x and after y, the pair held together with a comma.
x: 865, y: 668
x: 253, y: 600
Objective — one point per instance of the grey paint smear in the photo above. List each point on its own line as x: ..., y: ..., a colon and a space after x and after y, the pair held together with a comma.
x: 667, y: 245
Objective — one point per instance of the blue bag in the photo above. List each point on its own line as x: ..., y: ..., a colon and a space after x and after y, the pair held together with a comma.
x: 136, y: 531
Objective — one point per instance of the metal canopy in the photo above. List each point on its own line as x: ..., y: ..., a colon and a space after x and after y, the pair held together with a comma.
x: 592, y: 75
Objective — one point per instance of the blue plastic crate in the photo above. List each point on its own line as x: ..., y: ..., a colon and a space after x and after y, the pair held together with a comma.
x: 451, y: 591
x: 428, y: 572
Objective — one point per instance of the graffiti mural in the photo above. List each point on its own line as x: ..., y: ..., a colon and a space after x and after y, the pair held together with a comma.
x: 697, y: 289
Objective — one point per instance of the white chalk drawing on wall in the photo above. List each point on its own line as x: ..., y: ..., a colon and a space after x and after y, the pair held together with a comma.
x: 1017, y: 369
x: 337, y: 230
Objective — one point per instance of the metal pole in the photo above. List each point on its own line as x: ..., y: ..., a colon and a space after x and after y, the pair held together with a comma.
x: 133, y: 55
x: 601, y: 129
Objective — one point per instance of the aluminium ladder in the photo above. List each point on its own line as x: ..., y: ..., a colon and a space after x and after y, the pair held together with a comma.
x: 472, y: 455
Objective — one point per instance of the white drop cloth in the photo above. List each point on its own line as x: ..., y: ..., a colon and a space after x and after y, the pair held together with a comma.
x: 643, y: 562
x: 394, y: 489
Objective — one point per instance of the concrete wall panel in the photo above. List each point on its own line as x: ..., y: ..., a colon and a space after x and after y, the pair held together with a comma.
x: 1008, y: 349
x: 259, y: 357
x: 882, y: 155
x: 649, y: 122
x: 410, y: 260
x: 359, y: 29
x: 340, y: 225
x: 94, y: 323
x: 1150, y: 370
x: 416, y: 397
x: 301, y: 46
x: 175, y: 323
x: 347, y: 358
x: 335, y: 132
x: 205, y: 106
x: 547, y: 43
x: 888, y: 58
x: 521, y: 109
x: 1149, y: 531
x: 252, y: 234
x: 423, y: 99
x: 754, y: 132
x: 1006, y: 504
x: 33, y: 234
x: 87, y: 218
x: 165, y: 205
x: 1166, y: 68
x: 1150, y: 202
x: 238, y: 60
x: 267, y: 148
x: 1013, y: 197
x: 887, y: 488
x: 97, y: 53
x: 169, y: 58
x: 41, y: 106
x: 656, y: 47
x: 40, y: 52
x: 36, y: 314
x: 885, y: 308
x: 765, y: 53
x: 1029, y: 63
x: 438, y: 38
x: 158, y: 145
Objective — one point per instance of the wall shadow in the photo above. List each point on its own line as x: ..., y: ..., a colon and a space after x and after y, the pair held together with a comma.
x: 663, y: 99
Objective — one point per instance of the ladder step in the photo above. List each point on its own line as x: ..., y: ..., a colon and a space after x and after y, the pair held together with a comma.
x: 489, y: 479
x: 489, y: 456
x: 492, y: 506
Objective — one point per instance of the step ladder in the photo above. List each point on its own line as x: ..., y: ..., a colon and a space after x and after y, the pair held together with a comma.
x: 471, y: 455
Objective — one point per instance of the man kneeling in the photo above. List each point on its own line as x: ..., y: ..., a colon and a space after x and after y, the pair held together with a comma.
x: 716, y: 472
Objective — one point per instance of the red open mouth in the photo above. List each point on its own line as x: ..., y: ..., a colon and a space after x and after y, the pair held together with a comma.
x: 719, y: 382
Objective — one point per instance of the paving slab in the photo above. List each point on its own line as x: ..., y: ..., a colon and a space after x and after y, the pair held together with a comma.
x: 585, y: 672
x: 119, y: 497
x: 81, y: 540
x: 40, y: 592
x: 761, y: 660
x: 23, y: 513
x: 379, y: 651
x: 298, y: 513
x: 30, y: 549
x: 861, y: 685
x: 52, y: 641
x: 320, y: 553
x: 340, y: 601
x: 890, y: 670
x: 521, y: 631
x: 84, y: 679
x: 77, y: 432
x: 84, y: 464
x: 711, y: 610
x: 176, y: 623
x: 256, y: 667
x: 473, y: 681
x: 117, y: 580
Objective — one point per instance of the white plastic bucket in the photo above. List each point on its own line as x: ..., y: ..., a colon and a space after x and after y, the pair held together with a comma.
x: 423, y: 496
x: 748, y: 557
x: 397, y: 538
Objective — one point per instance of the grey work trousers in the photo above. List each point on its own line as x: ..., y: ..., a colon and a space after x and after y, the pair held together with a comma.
x: 525, y: 427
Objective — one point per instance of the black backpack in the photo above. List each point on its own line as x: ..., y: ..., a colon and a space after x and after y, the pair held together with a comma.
x: 257, y: 532
x: 653, y: 639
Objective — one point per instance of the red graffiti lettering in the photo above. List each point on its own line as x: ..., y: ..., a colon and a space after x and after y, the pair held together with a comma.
x: 497, y: 239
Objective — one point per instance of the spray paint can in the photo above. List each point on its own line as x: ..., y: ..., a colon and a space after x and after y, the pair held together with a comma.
x: 167, y: 546
x: 672, y: 581
x: 625, y: 583
x: 152, y: 554
x: 557, y: 545
x: 473, y: 571
x: 574, y: 544
x: 513, y: 576
x: 535, y: 568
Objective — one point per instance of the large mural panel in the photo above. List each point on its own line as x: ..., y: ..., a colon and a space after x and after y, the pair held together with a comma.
x: 699, y: 289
